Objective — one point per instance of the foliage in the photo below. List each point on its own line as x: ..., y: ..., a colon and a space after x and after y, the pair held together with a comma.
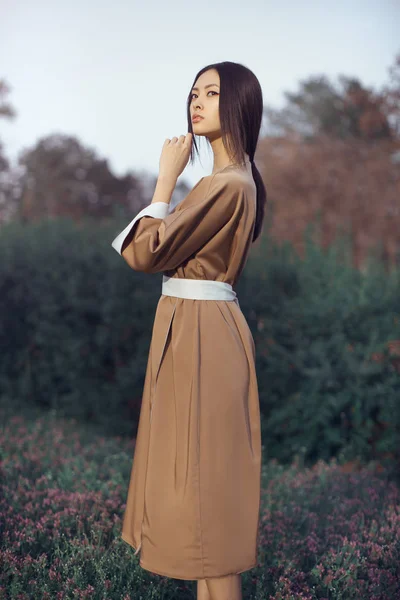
x: 63, y: 178
x: 346, y: 109
x: 338, y: 186
x: 323, y: 533
x: 76, y: 327
x: 75, y: 330
x: 327, y: 342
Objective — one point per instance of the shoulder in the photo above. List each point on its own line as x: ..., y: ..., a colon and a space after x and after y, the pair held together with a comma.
x: 230, y: 188
x: 232, y: 183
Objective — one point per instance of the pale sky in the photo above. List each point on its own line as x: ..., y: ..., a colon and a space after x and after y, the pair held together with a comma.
x: 117, y: 74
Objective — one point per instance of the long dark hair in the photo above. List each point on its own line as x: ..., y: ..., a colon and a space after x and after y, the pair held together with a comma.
x: 240, y: 112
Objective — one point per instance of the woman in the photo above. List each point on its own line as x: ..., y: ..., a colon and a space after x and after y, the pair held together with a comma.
x: 194, y: 493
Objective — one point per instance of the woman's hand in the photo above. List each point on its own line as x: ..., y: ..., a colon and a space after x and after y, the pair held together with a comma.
x: 174, y: 156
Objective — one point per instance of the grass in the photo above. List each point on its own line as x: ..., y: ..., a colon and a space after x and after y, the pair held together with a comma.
x: 324, y: 533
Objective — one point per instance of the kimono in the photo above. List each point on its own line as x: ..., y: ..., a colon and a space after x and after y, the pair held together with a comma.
x: 193, y: 499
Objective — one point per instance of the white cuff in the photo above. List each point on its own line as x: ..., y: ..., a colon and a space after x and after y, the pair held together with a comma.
x: 158, y: 210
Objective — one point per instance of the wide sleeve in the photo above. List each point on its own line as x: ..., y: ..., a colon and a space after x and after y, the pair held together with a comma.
x: 159, y: 241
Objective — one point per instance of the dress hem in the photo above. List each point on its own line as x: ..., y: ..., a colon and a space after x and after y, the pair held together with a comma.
x: 152, y: 570
x: 130, y: 542
x: 158, y: 572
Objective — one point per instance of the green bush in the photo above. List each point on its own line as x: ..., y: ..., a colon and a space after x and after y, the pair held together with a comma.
x: 77, y: 321
x: 328, y: 383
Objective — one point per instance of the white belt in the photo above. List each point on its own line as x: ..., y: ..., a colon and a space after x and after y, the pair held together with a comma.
x: 197, y: 289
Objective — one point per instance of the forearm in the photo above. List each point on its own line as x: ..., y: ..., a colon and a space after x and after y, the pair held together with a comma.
x: 164, y: 189
x: 162, y: 195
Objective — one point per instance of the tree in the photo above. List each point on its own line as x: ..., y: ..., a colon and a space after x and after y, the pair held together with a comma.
x: 7, y: 179
x: 337, y: 161
x: 391, y: 97
x: 63, y: 178
x: 347, y: 110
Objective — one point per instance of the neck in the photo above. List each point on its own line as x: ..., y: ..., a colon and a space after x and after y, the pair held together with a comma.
x: 221, y: 157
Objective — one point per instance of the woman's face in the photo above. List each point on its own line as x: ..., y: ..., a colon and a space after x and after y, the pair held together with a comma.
x: 205, y: 102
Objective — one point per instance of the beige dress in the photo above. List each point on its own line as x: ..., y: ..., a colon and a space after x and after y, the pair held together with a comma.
x: 193, y: 501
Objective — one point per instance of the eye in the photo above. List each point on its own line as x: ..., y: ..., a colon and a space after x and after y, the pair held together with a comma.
x: 210, y: 92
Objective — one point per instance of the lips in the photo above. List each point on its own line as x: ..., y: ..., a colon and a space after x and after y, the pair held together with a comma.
x: 196, y: 118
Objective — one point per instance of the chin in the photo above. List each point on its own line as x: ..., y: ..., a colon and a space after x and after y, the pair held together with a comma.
x: 200, y: 130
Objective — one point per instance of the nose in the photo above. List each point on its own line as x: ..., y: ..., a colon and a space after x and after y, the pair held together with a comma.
x: 196, y: 104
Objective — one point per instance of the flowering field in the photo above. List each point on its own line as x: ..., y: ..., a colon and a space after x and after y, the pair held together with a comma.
x: 324, y: 533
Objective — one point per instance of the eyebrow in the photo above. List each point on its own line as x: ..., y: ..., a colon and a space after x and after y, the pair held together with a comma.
x: 205, y: 87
